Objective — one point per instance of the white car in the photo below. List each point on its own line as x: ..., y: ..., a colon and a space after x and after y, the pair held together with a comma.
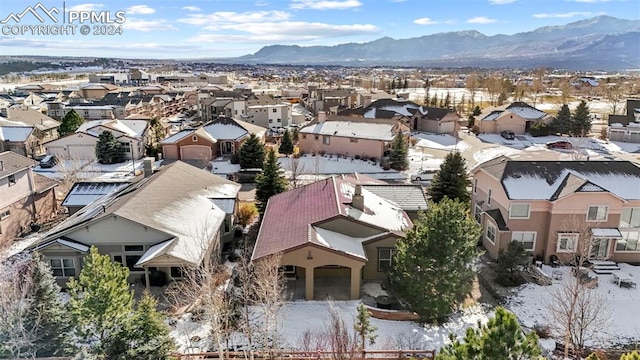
x: 424, y: 175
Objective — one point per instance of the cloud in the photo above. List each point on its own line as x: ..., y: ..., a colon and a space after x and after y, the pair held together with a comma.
x: 425, y: 21
x: 191, y: 8
x: 140, y: 9
x: 481, y: 20
x: 148, y: 25
x: 562, y: 15
x: 226, y: 17
x: 86, y: 7
x: 325, y: 4
x: 501, y: 2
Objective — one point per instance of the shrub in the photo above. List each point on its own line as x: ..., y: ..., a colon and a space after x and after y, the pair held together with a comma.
x: 543, y: 331
x: 509, y: 264
x: 413, y: 141
x: 235, y: 159
x: 246, y: 213
x: 539, y: 129
x: 357, y: 157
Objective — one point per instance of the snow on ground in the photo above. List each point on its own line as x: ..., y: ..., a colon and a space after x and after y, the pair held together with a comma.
x: 87, y: 170
x: 529, y: 304
x: 617, y: 146
x: 191, y: 336
x: 440, y: 142
x: 224, y: 167
x: 419, y: 159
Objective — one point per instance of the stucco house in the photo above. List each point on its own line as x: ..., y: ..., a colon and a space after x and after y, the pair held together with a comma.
x: 332, y: 232
x: 172, y: 219
x: 434, y: 120
x: 25, y: 197
x: 551, y: 206
x: 517, y: 117
x: 626, y: 127
x: 221, y: 137
x: 81, y: 145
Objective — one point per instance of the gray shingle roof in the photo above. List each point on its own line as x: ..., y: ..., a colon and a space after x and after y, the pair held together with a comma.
x: 13, y: 163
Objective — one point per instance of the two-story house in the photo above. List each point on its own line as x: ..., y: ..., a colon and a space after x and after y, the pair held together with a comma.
x: 553, y: 206
x: 25, y: 197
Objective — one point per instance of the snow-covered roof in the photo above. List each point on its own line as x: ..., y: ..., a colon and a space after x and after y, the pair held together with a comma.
x: 15, y: 133
x: 606, y: 233
x: 225, y: 131
x: 226, y: 205
x: 114, y: 124
x: 340, y: 242
x: 65, y: 242
x: 352, y: 129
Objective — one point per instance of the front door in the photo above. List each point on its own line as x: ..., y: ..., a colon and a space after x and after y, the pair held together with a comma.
x: 227, y: 147
x: 599, y: 248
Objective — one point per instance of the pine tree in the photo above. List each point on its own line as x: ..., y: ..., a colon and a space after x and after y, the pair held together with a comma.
x: 434, y: 100
x: 451, y: 180
x: 100, y: 300
x: 295, y: 134
x: 145, y: 335
x: 431, y: 265
x: 108, y: 149
x: 477, y: 111
x: 47, y: 313
x: 363, y: 327
x: 471, y: 121
x: 500, y: 338
x: 70, y: 123
x: 581, y: 121
x: 286, y: 144
x: 251, y: 153
x: 447, y: 101
x: 270, y: 182
x: 399, y: 156
x: 393, y: 84
x: 562, y: 122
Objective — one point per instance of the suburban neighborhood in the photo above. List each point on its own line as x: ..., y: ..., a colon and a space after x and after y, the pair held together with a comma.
x: 196, y: 209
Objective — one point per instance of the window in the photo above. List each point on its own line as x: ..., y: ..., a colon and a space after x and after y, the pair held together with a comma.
x: 279, y: 120
x: 353, y: 140
x: 630, y: 218
x: 630, y: 241
x: 567, y: 242
x: 12, y: 180
x: 176, y: 272
x: 5, y: 214
x: 385, y: 258
x: 132, y: 253
x: 133, y: 248
x: 477, y: 214
x: 519, y: 211
x: 491, y: 233
x: 86, y: 113
x: 227, y: 224
x: 597, y: 213
x: 526, y: 238
x: 270, y: 121
x: 127, y: 147
x: 118, y: 259
x: 326, y: 140
x: 489, y: 198
x: 63, y: 267
x: 475, y: 186
x: 194, y: 138
x: 304, y: 136
x: 274, y: 110
x: 317, y: 137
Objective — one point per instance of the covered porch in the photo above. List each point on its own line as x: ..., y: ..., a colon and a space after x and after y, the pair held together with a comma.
x: 603, y: 243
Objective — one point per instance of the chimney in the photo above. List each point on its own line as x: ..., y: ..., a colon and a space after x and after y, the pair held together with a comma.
x: 322, y: 116
x: 148, y: 166
x: 357, y: 201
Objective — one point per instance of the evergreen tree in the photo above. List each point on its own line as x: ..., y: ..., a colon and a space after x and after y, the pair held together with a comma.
x: 562, y: 122
x: 363, y: 327
x: 471, y: 121
x: 434, y: 100
x: 501, y: 338
x: 295, y: 134
x: 270, y: 182
x: 406, y: 84
x: 581, y: 121
x: 399, y: 156
x: 393, y: 84
x: 47, y: 313
x: 100, y: 300
x: 431, y: 267
x: 447, y: 101
x: 451, y: 180
x: 145, y: 335
x: 477, y: 111
x: 251, y: 153
x: 286, y: 144
x: 70, y: 123
x: 108, y: 149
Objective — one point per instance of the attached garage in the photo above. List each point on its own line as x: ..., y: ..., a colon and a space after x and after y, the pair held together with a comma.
x: 81, y: 152
x: 170, y: 152
x: 195, y: 152
x: 634, y: 137
x: 616, y: 135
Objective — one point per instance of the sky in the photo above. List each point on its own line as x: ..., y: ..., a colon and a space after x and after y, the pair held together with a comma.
x: 183, y: 29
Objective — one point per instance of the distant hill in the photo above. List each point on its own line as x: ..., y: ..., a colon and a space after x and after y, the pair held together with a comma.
x: 603, y: 42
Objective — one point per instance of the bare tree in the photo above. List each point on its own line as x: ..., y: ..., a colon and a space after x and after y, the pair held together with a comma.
x: 69, y: 170
x: 576, y: 311
x: 472, y: 83
x: 342, y: 342
x: 494, y: 86
x: 296, y: 167
x: 614, y: 95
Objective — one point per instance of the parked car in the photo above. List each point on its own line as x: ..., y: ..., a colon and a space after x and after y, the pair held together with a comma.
x: 48, y: 161
x: 424, y: 175
x: 508, y: 134
x: 560, y: 144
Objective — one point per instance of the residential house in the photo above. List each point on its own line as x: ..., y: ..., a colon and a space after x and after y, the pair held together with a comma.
x: 19, y: 139
x: 87, y: 111
x: 46, y: 127
x: 25, y: 197
x: 331, y: 234
x: 549, y: 206
x: 96, y: 91
x: 270, y: 116
x: 626, y: 127
x: 221, y: 137
x: 175, y: 218
x: 517, y: 117
x: 364, y: 138
x: 81, y: 145
x: 434, y: 120
x: 110, y: 78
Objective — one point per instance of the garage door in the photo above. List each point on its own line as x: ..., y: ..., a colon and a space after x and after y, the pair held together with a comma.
x: 616, y: 136
x: 81, y: 152
x: 634, y: 137
x: 170, y: 152
x: 195, y: 152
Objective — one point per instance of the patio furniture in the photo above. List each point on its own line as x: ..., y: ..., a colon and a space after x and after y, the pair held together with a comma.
x: 624, y: 280
x: 554, y: 260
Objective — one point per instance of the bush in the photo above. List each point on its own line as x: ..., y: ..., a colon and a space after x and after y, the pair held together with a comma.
x: 357, y: 157
x: 413, y: 141
x: 235, y: 159
x: 543, y: 331
x: 509, y: 264
x: 539, y: 129
x: 246, y: 213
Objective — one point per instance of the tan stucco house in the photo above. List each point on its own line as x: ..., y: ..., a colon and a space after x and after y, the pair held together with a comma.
x: 332, y: 231
x: 553, y: 206
x: 172, y: 219
x: 517, y: 117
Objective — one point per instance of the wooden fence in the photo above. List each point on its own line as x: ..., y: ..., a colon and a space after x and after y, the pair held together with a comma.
x: 318, y: 355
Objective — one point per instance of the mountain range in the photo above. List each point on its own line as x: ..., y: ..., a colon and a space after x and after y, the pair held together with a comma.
x: 599, y: 43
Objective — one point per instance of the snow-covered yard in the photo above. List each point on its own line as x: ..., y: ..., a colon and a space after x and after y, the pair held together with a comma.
x: 530, y: 305
x: 328, y: 165
x: 439, y: 141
